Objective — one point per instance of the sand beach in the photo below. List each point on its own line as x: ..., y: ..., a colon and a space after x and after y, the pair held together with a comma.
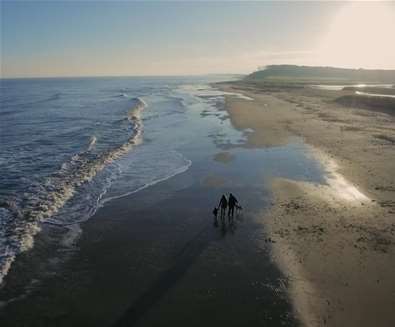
x: 334, y: 240
x: 313, y: 246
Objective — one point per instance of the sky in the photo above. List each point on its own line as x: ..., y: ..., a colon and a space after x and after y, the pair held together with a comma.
x: 111, y: 38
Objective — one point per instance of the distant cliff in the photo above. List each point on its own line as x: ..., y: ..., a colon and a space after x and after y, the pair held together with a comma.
x: 327, y: 74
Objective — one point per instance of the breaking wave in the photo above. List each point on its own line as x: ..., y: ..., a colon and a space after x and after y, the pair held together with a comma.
x: 20, y: 219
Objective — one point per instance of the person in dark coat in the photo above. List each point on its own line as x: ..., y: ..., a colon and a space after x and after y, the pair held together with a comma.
x: 232, y: 204
x: 223, y: 204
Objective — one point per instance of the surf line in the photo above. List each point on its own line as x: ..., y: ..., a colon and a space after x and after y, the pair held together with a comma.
x: 44, y: 200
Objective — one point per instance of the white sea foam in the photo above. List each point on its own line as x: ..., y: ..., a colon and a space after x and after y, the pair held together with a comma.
x: 92, y: 143
x: 208, y: 91
x: 44, y: 200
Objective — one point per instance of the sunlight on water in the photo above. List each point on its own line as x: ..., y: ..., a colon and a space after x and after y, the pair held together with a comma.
x: 344, y: 189
x: 341, y: 86
x: 374, y: 94
x: 341, y: 187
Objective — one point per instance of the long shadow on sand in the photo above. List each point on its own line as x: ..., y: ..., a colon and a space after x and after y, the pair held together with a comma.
x: 278, y: 308
x: 186, y: 257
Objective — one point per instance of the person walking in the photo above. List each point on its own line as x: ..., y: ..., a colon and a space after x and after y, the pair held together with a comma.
x: 223, y: 204
x: 232, y: 204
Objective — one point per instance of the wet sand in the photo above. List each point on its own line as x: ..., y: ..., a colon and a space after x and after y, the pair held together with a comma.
x: 223, y: 157
x: 334, y: 241
x: 300, y: 252
x: 154, y: 258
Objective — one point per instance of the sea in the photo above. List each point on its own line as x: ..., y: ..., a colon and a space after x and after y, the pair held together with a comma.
x: 69, y: 145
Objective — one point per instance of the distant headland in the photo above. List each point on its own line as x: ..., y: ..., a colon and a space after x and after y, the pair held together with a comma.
x: 327, y: 74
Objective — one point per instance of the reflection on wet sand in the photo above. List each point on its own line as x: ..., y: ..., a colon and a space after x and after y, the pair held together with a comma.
x: 339, y: 186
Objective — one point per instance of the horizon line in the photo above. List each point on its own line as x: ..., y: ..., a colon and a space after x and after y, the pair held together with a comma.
x: 259, y: 68
x: 96, y: 76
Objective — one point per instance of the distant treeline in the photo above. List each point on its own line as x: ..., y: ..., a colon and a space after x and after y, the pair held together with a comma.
x: 309, y: 73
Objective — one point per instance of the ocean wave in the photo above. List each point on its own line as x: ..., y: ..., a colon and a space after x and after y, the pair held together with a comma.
x: 92, y: 143
x: 21, y: 218
x: 54, y: 97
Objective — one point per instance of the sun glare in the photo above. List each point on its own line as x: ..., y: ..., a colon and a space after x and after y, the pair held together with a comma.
x: 361, y: 35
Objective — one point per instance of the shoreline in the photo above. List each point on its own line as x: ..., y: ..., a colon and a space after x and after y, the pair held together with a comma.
x: 335, y: 241
x: 155, y: 257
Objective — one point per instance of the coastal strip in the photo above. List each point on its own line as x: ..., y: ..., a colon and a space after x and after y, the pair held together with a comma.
x: 334, y: 241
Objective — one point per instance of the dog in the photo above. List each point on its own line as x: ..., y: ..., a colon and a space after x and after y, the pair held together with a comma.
x: 239, y: 208
x: 215, y: 213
